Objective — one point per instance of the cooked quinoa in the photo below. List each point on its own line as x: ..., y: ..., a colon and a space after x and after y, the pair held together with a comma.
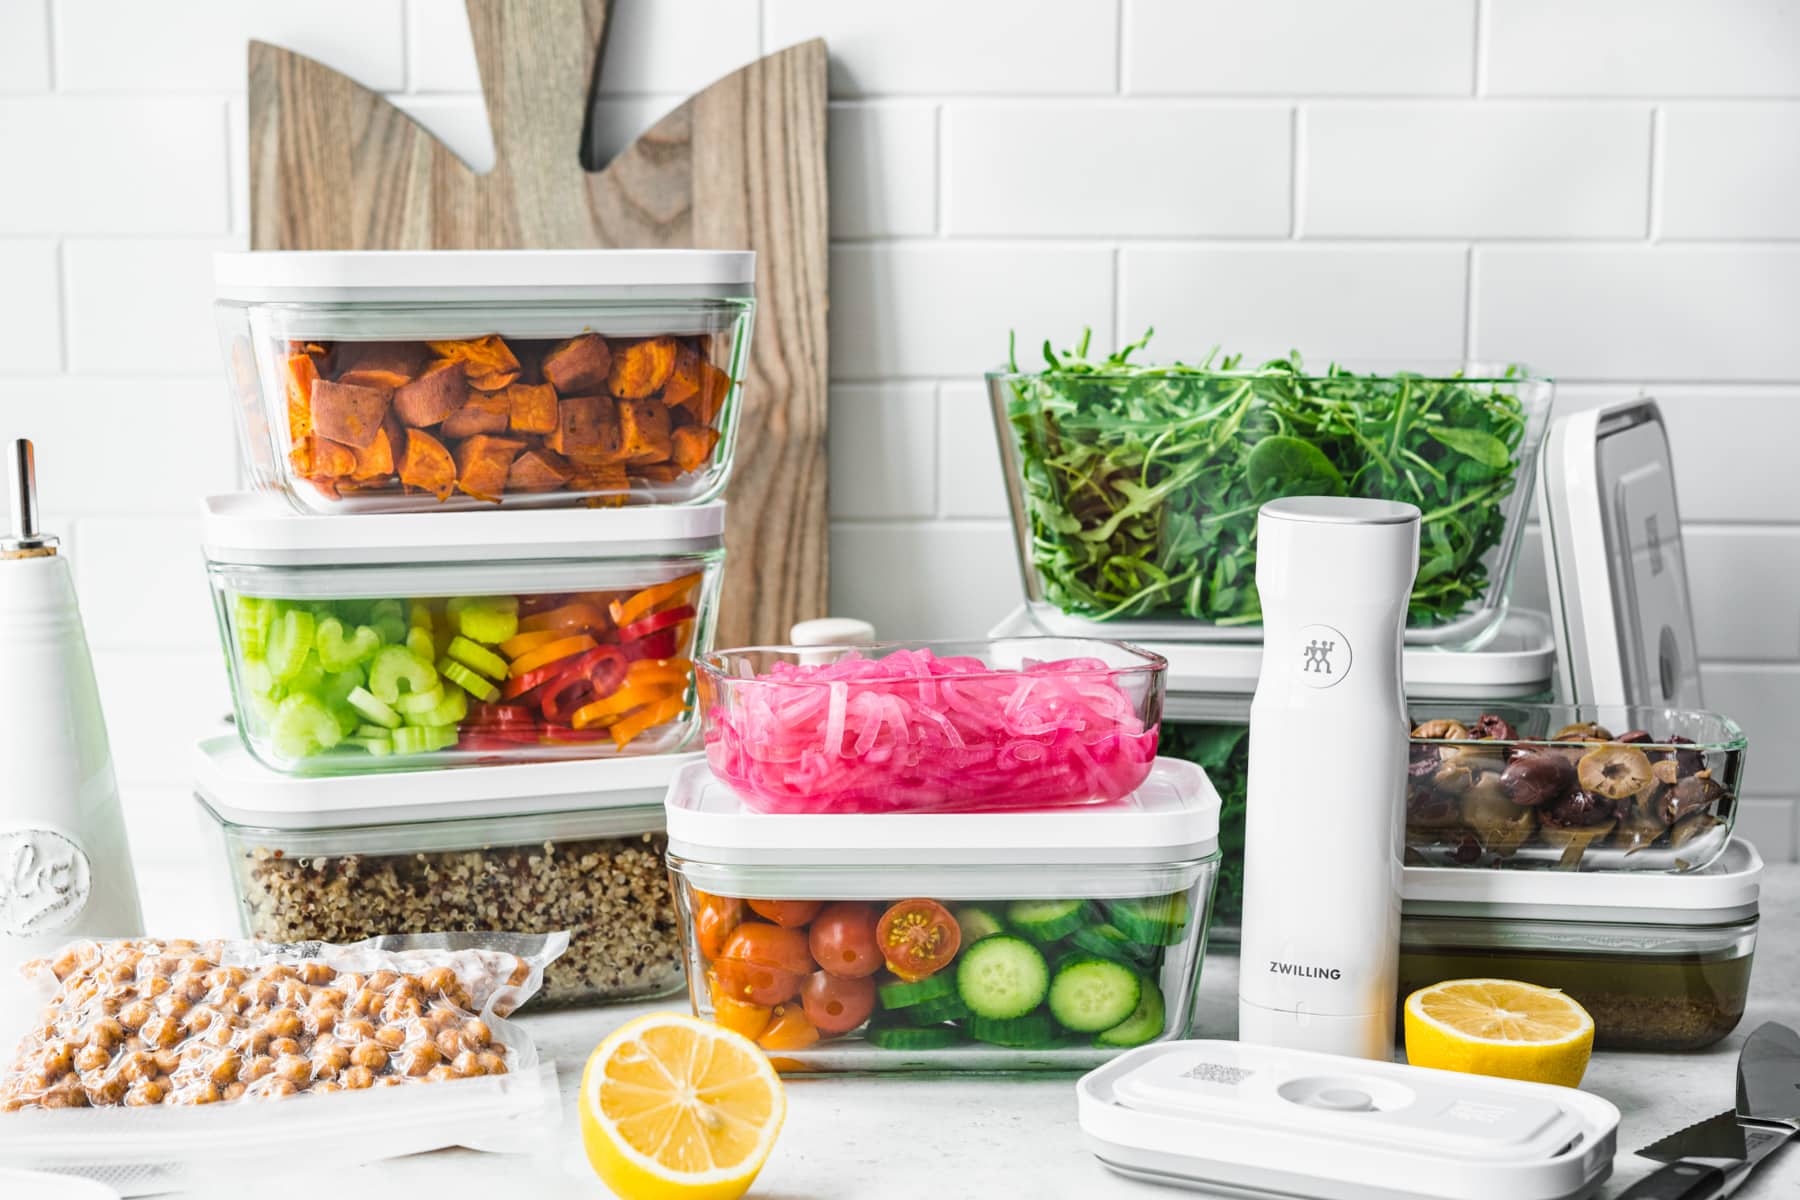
x: 611, y: 894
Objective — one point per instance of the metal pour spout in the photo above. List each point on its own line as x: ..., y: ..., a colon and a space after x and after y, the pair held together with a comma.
x: 25, y: 540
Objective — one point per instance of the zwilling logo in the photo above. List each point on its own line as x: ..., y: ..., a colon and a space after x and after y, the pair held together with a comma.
x: 1303, y: 972
x: 1317, y: 657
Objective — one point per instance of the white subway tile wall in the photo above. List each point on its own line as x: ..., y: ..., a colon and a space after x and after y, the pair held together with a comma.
x: 1603, y: 190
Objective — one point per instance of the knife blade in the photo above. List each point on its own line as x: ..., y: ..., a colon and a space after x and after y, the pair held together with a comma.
x: 1711, y: 1159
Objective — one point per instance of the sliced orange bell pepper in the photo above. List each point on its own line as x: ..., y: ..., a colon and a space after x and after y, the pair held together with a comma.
x: 651, y: 671
x: 788, y: 1029
x: 624, y: 731
x: 651, y: 598
x: 521, y: 644
x: 568, y: 619
x: 607, y: 709
x: 548, y: 653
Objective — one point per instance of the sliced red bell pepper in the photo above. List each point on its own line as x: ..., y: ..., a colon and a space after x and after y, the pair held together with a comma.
x: 657, y: 645
x: 597, y: 673
x: 655, y: 623
x: 642, y: 603
x: 523, y: 689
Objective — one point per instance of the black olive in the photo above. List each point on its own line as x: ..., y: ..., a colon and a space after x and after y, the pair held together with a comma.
x: 1687, y: 762
x: 1579, y: 809
x: 1538, y: 778
x: 1468, y: 850
x: 1691, y: 795
x: 1634, y: 737
x: 1490, y: 726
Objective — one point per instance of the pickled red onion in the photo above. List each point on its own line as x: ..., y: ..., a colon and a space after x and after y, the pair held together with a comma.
x: 912, y: 731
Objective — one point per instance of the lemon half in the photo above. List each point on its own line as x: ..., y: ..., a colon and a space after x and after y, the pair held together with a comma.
x: 673, y: 1107
x: 1499, y: 1027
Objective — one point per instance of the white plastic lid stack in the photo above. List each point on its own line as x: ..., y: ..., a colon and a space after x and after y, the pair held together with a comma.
x: 1258, y: 1120
x: 255, y: 529
x: 1727, y: 891
x: 474, y: 275
x: 244, y: 792
x: 1172, y: 817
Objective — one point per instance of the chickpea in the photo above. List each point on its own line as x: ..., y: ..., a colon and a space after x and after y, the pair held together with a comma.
x: 181, y: 946
x: 176, y: 1003
x: 203, y: 1092
x: 255, y: 1068
x: 136, y: 1065
x: 315, y: 972
x: 419, y: 1059
x: 279, y: 1087
x: 106, y: 1033
x: 232, y: 1091
x: 105, y: 1091
x: 328, y: 997
x: 58, y: 1057
x: 67, y: 963
x: 135, y: 1014
x: 165, y: 964
x: 381, y: 981
x: 161, y: 1031
x: 283, y: 1022
x: 263, y: 990
x: 389, y: 1081
x: 458, y: 996
x: 356, y: 1030
x: 294, y: 993
x: 225, y: 1069
x: 449, y: 1043
x: 111, y: 1002
x: 391, y: 1036
x: 370, y: 1056
x: 92, y: 1058
x: 358, y: 1078
x: 293, y: 1068
x: 145, y: 1093
x: 491, y: 1063
x: 402, y: 1008
x: 437, y: 979
x: 194, y: 989
x: 167, y: 1061
x: 156, y: 985
x: 476, y: 1032
x: 281, y: 1046
x: 349, y: 982
x: 65, y: 1093
x: 201, y: 1018
x: 329, y: 1059
x: 120, y: 975
x: 322, y: 1019
x: 439, y: 1074
x: 226, y: 977
x: 368, y: 1002
x: 468, y: 1064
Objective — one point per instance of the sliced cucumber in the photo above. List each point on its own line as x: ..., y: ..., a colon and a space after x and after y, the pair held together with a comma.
x: 1108, y: 941
x: 977, y: 922
x: 901, y: 1037
x: 1157, y: 921
x: 1145, y: 1023
x: 1046, y: 920
x: 468, y: 680
x: 1092, y: 994
x: 1026, y: 1032
x: 1002, y: 977
x: 904, y: 995
x: 934, y: 1012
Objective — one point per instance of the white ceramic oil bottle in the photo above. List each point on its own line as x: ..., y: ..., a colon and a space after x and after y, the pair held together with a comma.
x: 65, y: 866
x: 1328, y: 744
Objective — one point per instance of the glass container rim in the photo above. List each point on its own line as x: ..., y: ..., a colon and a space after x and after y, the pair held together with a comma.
x: 1191, y: 372
x: 1733, y: 739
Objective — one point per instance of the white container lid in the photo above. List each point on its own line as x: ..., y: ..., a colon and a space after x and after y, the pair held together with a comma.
x: 244, y: 792
x: 1172, y: 817
x: 1214, y: 681
x: 258, y: 529
x: 1250, y: 1119
x: 1725, y: 891
x: 466, y: 275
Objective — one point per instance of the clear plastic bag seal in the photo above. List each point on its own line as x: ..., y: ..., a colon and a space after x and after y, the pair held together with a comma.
x: 443, y: 997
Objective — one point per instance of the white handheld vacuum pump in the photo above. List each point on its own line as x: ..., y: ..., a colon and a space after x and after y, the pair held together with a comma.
x: 1328, y: 745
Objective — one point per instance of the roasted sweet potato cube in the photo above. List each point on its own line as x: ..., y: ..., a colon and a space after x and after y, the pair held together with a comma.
x: 490, y: 361
x: 691, y: 446
x: 316, y: 457
x: 482, y: 463
x: 533, y: 408
x: 538, y: 470
x: 641, y: 368
x: 579, y: 365
x: 684, y: 380
x: 715, y: 385
x: 379, y: 364
x: 434, y: 395
x: 375, y: 462
x: 427, y: 465
x: 302, y: 373
x: 348, y: 412
x: 483, y: 412
x: 587, y: 430
x: 606, y: 481
x: 644, y: 431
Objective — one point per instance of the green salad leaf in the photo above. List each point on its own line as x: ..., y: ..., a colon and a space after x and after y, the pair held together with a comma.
x: 1223, y: 752
x: 1141, y: 483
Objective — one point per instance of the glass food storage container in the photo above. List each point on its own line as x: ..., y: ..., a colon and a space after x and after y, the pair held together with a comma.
x: 1565, y: 787
x: 1661, y: 962
x: 532, y: 848
x: 400, y: 641
x: 986, y: 941
x: 932, y: 726
x: 385, y: 381
x: 1134, y: 491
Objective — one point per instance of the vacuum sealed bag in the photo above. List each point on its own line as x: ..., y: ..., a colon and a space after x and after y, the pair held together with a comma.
x: 155, y: 1063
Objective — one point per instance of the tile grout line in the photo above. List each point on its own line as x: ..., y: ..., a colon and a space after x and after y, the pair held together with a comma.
x: 1296, y: 167
x: 1119, y: 31
x: 64, y: 308
x: 940, y: 153
x: 1468, y: 345
x: 1478, y: 81
x: 1658, y: 171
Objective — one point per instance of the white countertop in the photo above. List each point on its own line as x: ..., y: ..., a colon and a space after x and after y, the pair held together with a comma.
x: 1015, y: 1136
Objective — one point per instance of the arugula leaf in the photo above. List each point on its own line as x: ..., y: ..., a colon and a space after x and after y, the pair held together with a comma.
x: 1142, y: 483
x: 1223, y: 752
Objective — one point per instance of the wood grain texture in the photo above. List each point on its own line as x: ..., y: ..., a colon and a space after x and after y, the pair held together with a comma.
x: 333, y: 166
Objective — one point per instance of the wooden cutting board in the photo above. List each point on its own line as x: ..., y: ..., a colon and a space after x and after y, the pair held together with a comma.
x: 333, y: 166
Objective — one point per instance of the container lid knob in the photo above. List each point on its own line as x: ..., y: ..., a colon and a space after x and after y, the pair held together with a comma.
x: 832, y: 631
x: 25, y: 540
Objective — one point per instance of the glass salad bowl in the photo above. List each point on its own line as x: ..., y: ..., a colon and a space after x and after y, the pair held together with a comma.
x: 1011, y: 723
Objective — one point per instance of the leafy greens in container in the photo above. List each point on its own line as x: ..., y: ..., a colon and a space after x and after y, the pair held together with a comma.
x: 1135, y: 488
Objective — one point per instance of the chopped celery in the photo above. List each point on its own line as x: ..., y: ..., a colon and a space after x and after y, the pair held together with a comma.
x: 467, y: 680
x: 257, y: 676
x: 422, y: 739
x: 490, y: 619
x: 395, y: 665
x: 453, y: 708
x: 380, y: 747
x: 372, y: 731
x: 418, y: 614
x: 420, y: 645
x: 303, y: 727
x: 307, y: 680
x: 335, y: 692
x: 336, y: 652
x: 420, y: 702
x: 290, y: 641
x: 251, y: 616
x: 477, y: 658
x: 388, y: 618
x: 364, y: 702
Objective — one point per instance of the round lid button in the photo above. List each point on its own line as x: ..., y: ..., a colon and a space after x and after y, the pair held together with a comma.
x: 1342, y: 1099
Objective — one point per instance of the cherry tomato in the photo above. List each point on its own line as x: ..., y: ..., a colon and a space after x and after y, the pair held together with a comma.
x: 770, y: 946
x: 837, y: 1005
x: 788, y: 1029
x: 789, y: 913
x: 917, y: 937
x: 714, y: 919
x: 739, y: 1016
x: 843, y: 942
x: 755, y: 982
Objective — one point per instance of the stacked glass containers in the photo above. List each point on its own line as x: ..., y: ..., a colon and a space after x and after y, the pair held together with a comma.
x: 483, y: 532
x: 955, y: 856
